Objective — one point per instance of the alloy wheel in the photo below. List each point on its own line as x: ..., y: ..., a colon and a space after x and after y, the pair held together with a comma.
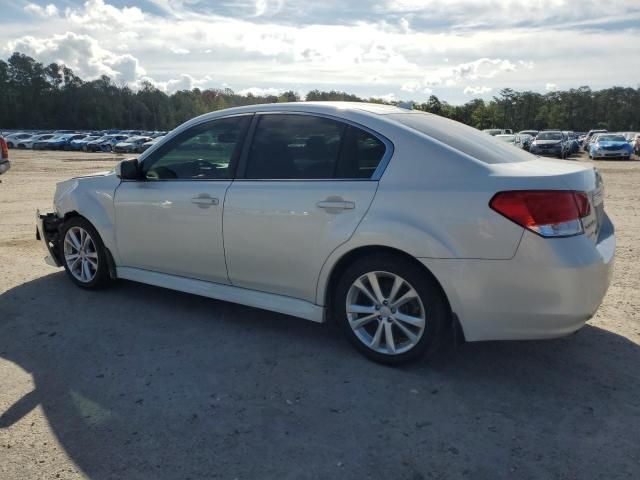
x: 385, y: 312
x: 81, y: 255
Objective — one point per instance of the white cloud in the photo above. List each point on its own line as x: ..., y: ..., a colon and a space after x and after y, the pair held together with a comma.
x: 183, y: 82
x: 82, y: 54
x: 549, y: 87
x: 480, y: 68
x: 410, y: 48
x: 48, y: 11
x: 259, y: 92
x: 96, y: 14
x: 469, y: 90
x: 268, y: 7
x: 389, y: 97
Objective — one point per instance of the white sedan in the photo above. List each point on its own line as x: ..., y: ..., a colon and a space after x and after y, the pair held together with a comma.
x: 394, y: 223
x: 28, y: 142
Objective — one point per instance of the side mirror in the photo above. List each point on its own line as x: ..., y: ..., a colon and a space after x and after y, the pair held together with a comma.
x: 128, y: 169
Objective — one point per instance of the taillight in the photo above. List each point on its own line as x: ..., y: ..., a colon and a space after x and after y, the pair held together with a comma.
x: 549, y: 213
x: 4, y: 149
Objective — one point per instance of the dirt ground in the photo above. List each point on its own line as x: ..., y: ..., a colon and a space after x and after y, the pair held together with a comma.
x: 141, y: 382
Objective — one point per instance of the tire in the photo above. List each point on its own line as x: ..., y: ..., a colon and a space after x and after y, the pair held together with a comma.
x: 9, y: 144
x: 429, y: 307
x: 94, y: 250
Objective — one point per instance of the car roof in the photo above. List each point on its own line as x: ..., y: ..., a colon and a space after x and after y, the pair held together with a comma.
x: 309, y: 107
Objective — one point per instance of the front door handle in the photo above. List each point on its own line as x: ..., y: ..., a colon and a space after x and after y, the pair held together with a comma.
x: 204, y: 200
x: 336, y: 204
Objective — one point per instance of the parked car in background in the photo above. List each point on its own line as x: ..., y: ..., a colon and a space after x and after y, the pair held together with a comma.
x: 514, y: 140
x: 5, y: 165
x: 106, y: 143
x: 484, y: 236
x: 633, y: 138
x: 131, y: 145
x: 15, y: 138
x: 497, y: 131
x: 532, y: 133
x: 151, y: 142
x: 572, y: 142
x: 587, y: 139
x: 29, y: 142
x: 610, y: 145
x: 61, y: 142
x: 550, y: 143
x: 81, y: 143
x: 526, y: 140
x: 43, y: 142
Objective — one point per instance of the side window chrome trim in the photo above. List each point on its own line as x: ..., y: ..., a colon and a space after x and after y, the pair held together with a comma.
x: 377, y: 173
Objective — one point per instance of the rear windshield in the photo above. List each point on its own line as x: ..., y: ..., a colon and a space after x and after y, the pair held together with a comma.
x: 463, y: 138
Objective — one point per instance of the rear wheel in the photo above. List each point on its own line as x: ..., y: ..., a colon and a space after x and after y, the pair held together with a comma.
x: 390, y: 309
x: 83, y: 254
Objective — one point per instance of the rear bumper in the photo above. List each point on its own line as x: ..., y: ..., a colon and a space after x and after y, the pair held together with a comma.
x: 550, y: 288
x: 47, y: 232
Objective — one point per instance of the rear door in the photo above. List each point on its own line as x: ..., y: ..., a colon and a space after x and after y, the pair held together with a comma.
x: 305, y: 182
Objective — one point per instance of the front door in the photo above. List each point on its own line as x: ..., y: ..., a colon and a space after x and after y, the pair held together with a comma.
x: 171, y: 220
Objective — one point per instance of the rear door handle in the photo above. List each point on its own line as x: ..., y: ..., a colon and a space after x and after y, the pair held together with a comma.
x: 204, y: 200
x: 336, y: 204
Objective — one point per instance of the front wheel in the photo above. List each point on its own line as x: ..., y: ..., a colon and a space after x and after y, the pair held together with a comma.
x: 83, y: 254
x: 390, y: 309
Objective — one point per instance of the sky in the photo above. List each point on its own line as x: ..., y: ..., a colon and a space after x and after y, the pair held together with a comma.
x: 390, y: 49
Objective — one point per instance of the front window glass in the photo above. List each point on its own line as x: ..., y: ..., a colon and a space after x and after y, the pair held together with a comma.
x: 203, y: 152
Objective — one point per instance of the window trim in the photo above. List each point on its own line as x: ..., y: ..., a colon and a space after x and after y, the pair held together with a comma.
x: 244, y: 156
x: 171, y: 142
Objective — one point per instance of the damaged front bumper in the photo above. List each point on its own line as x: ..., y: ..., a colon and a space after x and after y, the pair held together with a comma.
x: 48, y: 232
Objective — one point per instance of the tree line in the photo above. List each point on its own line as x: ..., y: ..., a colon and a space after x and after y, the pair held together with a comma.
x: 37, y: 96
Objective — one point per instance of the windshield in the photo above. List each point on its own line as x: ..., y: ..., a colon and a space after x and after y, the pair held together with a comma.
x: 549, y: 136
x: 611, y: 138
x: 463, y: 138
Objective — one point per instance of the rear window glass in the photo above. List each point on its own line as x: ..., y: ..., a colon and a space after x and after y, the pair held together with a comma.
x: 468, y: 140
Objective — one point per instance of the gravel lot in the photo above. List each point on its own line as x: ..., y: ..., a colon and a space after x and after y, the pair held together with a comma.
x: 140, y: 382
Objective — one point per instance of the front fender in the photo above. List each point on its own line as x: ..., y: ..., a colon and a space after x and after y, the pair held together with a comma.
x: 92, y: 198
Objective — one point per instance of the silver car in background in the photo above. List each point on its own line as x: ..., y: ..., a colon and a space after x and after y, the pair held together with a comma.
x: 396, y: 224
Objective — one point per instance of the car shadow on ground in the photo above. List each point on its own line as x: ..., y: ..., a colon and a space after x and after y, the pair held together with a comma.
x: 141, y: 382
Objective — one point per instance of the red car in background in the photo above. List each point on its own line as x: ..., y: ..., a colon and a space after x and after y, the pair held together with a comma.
x: 4, y: 156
